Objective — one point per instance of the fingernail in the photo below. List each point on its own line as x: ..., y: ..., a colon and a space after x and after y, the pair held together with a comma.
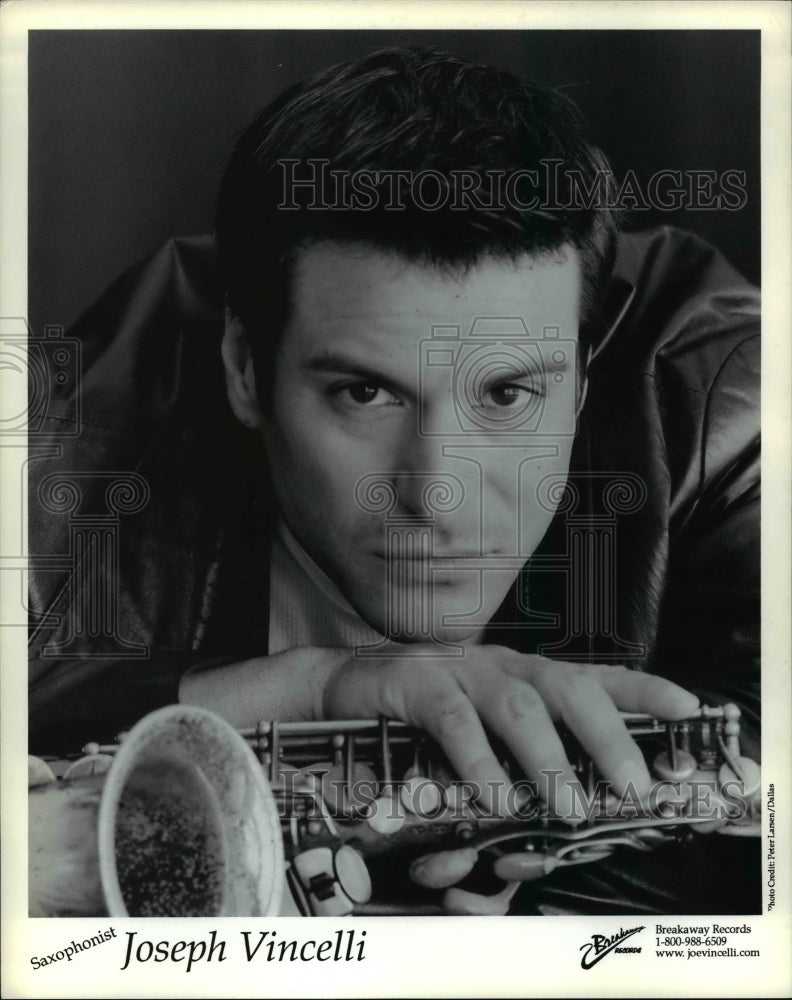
x: 524, y: 800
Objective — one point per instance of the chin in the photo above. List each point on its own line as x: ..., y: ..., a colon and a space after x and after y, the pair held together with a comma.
x: 404, y: 624
x: 456, y: 634
x: 406, y: 634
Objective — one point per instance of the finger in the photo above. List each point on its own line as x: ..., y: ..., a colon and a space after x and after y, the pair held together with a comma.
x: 444, y: 868
x: 516, y: 711
x: 420, y: 690
x: 450, y: 718
x: 588, y: 699
x: 590, y: 713
x: 633, y: 691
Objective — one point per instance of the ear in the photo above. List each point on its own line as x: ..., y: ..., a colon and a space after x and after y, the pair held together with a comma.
x: 240, y: 376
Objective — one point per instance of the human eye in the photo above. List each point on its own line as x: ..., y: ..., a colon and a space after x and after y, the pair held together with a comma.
x: 360, y: 394
x: 508, y: 394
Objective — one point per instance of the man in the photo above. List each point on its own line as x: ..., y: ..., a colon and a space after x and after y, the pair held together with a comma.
x: 428, y: 329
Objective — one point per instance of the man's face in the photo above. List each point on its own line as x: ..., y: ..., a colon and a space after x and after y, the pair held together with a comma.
x: 414, y: 416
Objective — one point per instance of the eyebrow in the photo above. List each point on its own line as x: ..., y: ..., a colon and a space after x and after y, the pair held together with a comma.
x: 336, y: 363
x: 512, y: 369
x: 339, y: 364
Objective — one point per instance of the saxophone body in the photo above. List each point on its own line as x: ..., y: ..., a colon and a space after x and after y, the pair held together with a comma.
x: 326, y: 818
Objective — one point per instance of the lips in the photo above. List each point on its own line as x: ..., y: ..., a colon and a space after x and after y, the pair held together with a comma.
x: 473, y: 561
x: 440, y: 557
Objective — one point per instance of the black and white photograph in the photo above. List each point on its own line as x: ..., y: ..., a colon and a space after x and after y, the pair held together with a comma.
x: 385, y: 525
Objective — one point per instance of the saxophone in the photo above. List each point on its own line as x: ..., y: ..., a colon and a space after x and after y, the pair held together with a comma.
x: 185, y: 816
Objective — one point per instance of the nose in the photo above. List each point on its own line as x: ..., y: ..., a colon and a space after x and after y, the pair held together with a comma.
x: 429, y: 481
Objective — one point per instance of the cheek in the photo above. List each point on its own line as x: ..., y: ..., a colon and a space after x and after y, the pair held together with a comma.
x: 543, y: 489
x: 314, y: 473
x: 520, y: 498
x: 520, y: 483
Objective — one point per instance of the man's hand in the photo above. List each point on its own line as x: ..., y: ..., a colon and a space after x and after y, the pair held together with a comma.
x: 519, y: 698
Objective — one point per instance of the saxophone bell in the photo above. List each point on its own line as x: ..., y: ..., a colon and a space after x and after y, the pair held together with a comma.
x: 182, y: 823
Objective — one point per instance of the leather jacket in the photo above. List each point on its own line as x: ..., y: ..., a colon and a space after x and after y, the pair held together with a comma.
x: 149, y: 500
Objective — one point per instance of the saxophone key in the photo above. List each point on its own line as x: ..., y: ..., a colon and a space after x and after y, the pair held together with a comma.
x: 443, y: 868
x: 679, y: 770
x: 524, y: 866
x: 386, y: 815
x: 420, y: 796
x: 457, y: 796
x: 333, y: 881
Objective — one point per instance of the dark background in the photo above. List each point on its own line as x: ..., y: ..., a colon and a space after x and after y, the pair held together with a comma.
x: 129, y: 130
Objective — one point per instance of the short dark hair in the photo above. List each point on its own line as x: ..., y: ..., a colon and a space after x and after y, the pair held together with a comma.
x: 413, y: 110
